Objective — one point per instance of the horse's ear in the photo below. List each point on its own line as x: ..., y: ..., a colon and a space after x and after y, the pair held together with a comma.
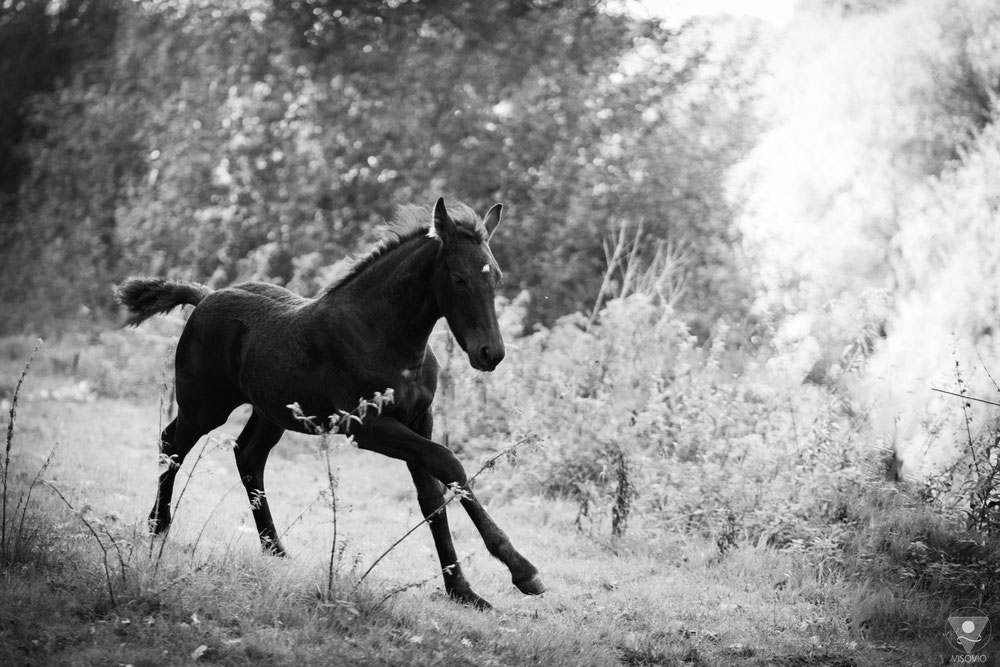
x: 444, y: 226
x: 492, y: 220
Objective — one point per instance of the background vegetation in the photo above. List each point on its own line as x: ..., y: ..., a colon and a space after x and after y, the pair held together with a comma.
x: 739, y: 258
x: 223, y: 141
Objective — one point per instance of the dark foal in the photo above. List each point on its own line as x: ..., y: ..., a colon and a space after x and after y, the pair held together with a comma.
x: 263, y: 345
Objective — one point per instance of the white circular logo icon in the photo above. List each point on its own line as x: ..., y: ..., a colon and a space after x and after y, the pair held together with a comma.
x: 968, y: 629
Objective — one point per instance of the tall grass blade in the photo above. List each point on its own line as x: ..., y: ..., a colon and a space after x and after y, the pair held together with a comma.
x: 4, y: 475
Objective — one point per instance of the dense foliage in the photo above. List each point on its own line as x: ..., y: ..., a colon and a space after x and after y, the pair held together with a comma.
x: 226, y: 141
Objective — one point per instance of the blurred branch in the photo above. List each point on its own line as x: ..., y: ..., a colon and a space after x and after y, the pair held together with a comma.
x: 968, y: 398
x: 663, y: 276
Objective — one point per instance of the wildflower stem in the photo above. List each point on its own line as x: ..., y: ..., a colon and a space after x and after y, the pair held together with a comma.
x: 10, y: 443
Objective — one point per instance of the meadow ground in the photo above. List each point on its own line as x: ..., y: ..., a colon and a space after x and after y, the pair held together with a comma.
x: 207, y: 595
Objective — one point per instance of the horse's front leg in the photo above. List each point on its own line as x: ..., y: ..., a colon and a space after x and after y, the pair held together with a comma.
x: 390, y: 437
x: 523, y: 573
x: 430, y: 497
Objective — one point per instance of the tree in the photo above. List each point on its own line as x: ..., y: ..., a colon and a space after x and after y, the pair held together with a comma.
x: 229, y: 141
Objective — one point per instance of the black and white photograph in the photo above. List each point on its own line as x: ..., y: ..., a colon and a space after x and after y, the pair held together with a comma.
x: 567, y: 333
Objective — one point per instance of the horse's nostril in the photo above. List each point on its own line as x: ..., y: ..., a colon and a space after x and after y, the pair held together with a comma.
x: 492, y: 356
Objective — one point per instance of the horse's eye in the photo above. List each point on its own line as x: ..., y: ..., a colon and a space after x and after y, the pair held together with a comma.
x: 459, y: 281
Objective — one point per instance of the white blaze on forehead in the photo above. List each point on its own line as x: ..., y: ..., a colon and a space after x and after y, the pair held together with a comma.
x: 486, y: 267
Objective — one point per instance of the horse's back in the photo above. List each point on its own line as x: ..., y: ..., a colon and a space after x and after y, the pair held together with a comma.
x: 246, y: 305
x: 271, y: 292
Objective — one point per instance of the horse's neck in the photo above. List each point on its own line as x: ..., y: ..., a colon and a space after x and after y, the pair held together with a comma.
x: 392, y: 300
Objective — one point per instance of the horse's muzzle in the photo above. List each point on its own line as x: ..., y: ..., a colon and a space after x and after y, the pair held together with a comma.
x: 487, y: 357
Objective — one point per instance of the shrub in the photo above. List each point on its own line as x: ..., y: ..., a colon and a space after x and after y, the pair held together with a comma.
x: 646, y: 427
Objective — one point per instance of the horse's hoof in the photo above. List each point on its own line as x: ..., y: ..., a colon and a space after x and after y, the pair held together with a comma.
x: 531, y: 586
x: 467, y: 597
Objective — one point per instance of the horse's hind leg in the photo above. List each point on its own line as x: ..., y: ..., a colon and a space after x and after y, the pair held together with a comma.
x: 252, y: 447
x: 176, y: 441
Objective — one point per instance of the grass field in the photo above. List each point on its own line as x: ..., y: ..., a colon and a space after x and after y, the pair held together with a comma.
x: 207, y: 595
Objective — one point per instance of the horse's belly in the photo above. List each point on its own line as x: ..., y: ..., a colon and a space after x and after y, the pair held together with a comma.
x: 286, y: 393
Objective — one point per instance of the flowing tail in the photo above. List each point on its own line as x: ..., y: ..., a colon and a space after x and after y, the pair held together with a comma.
x: 145, y: 297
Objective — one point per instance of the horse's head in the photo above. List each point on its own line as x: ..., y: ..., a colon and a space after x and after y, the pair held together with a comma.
x: 466, y: 279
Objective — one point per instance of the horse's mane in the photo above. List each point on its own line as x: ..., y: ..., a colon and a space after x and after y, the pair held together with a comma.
x: 410, y: 222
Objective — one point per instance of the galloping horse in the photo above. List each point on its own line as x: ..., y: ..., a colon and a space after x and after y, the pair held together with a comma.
x: 368, y: 331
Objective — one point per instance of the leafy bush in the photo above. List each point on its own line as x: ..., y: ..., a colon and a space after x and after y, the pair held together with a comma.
x: 644, y: 424
x: 650, y: 432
